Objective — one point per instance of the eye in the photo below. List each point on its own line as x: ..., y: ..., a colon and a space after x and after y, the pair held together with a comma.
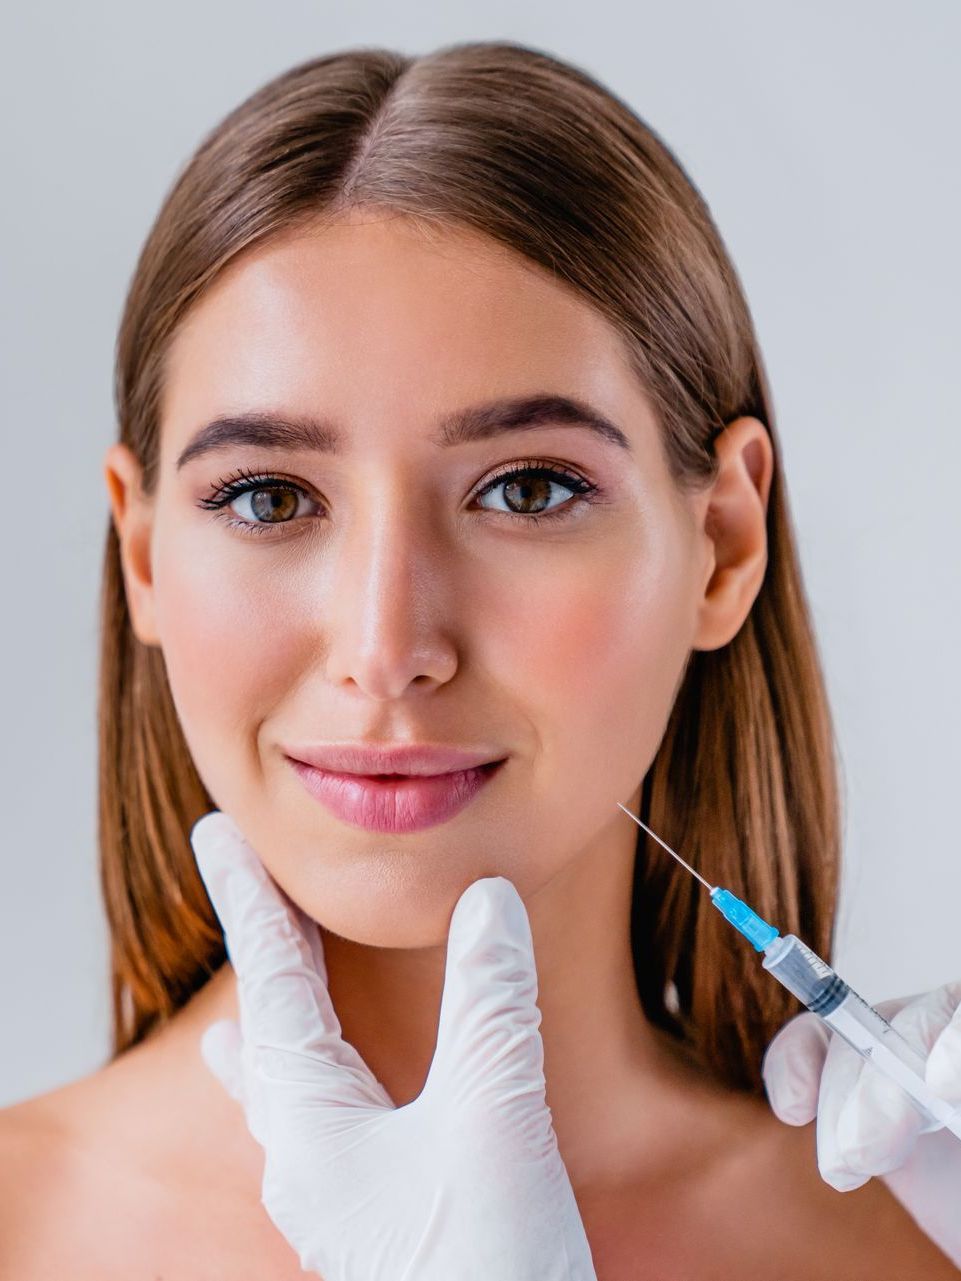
x: 268, y: 496
x: 528, y: 486
x: 273, y: 501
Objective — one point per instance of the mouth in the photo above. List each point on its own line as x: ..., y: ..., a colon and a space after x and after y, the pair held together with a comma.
x: 393, y: 778
x: 396, y: 802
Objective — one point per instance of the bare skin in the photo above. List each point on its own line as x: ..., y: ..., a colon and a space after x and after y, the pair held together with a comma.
x: 392, y: 608
x: 145, y: 1169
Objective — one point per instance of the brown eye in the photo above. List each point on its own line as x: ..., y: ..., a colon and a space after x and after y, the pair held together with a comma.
x: 528, y: 496
x: 528, y: 490
x: 269, y: 501
x: 281, y: 503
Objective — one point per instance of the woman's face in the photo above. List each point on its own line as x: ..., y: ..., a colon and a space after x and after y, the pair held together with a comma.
x: 374, y: 592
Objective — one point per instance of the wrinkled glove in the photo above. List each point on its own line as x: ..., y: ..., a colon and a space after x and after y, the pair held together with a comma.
x: 866, y: 1124
x: 464, y: 1182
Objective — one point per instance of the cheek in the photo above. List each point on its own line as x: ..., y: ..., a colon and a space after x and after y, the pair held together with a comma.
x: 592, y: 653
x: 572, y: 658
x: 222, y: 631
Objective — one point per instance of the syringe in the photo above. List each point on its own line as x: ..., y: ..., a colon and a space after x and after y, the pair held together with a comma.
x: 825, y: 994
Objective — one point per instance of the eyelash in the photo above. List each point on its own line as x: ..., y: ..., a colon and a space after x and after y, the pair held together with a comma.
x: 245, y: 482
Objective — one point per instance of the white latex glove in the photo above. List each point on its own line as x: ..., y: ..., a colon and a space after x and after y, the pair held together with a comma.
x: 865, y: 1123
x: 466, y: 1182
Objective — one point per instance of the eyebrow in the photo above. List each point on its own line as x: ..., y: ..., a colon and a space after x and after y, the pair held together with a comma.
x: 268, y: 430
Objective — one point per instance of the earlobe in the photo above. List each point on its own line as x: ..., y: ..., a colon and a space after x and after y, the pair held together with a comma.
x: 735, y: 527
x: 132, y: 514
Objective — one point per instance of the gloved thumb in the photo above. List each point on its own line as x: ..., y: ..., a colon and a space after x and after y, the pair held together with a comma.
x: 488, y: 1041
x: 792, y: 1066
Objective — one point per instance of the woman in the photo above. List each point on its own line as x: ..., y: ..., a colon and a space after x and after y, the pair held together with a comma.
x: 462, y: 327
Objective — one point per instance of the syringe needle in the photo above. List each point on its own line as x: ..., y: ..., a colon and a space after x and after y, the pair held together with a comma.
x: 825, y: 994
x: 667, y: 847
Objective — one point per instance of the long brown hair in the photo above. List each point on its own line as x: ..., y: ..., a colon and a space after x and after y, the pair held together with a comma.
x: 535, y: 153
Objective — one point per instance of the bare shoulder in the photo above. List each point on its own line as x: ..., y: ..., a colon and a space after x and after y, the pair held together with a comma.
x: 127, y: 1173
x: 65, y: 1202
x: 738, y: 1193
x: 35, y: 1182
x: 71, y: 1203
x: 804, y: 1227
x: 30, y: 1150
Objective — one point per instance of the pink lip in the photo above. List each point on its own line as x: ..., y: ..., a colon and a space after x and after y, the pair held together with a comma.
x: 394, y: 805
x: 367, y: 756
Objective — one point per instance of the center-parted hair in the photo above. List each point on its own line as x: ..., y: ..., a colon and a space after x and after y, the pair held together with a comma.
x: 535, y: 154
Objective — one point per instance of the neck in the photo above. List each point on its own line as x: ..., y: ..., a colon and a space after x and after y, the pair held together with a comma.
x: 593, y: 1027
x: 602, y: 1058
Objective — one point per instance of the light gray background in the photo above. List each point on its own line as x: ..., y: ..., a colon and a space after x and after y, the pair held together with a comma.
x: 825, y: 139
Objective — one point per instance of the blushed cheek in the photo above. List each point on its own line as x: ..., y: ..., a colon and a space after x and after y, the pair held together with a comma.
x: 593, y: 654
x: 223, y: 642
x: 573, y: 658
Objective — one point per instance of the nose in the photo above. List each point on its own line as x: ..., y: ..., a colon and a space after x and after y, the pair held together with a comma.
x: 389, y: 623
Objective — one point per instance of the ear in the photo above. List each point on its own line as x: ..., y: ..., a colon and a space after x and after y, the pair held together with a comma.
x: 133, y: 519
x: 734, y: 521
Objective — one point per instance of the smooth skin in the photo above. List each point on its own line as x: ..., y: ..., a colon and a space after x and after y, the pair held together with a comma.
x: 397, y: 603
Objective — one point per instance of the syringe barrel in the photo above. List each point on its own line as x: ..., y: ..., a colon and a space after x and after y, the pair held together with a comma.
x: 826, y: 994
x: 803, y: 972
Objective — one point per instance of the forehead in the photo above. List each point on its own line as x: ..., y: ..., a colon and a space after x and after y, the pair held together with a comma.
x: 379, y: 320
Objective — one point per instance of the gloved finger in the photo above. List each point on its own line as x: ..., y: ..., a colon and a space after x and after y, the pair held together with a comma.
x: 923, y: 1017
x: 842, y: 1068
x: 487, y: 1035
x: 287, y: 1017
x: 222, y: 1049
x: 879, y: 1125
x: 943, y: 1068
x: 792, y: 1066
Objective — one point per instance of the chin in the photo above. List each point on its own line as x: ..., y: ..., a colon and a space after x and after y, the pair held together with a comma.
x: 386, y: 897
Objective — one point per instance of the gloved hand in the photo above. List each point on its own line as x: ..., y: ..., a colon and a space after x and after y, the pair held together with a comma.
x: 865, y: 1123
x: 464, y: 1182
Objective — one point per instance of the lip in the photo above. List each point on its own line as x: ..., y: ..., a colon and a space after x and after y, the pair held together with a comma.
x: 395, y: 805
x: 391, y: 758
